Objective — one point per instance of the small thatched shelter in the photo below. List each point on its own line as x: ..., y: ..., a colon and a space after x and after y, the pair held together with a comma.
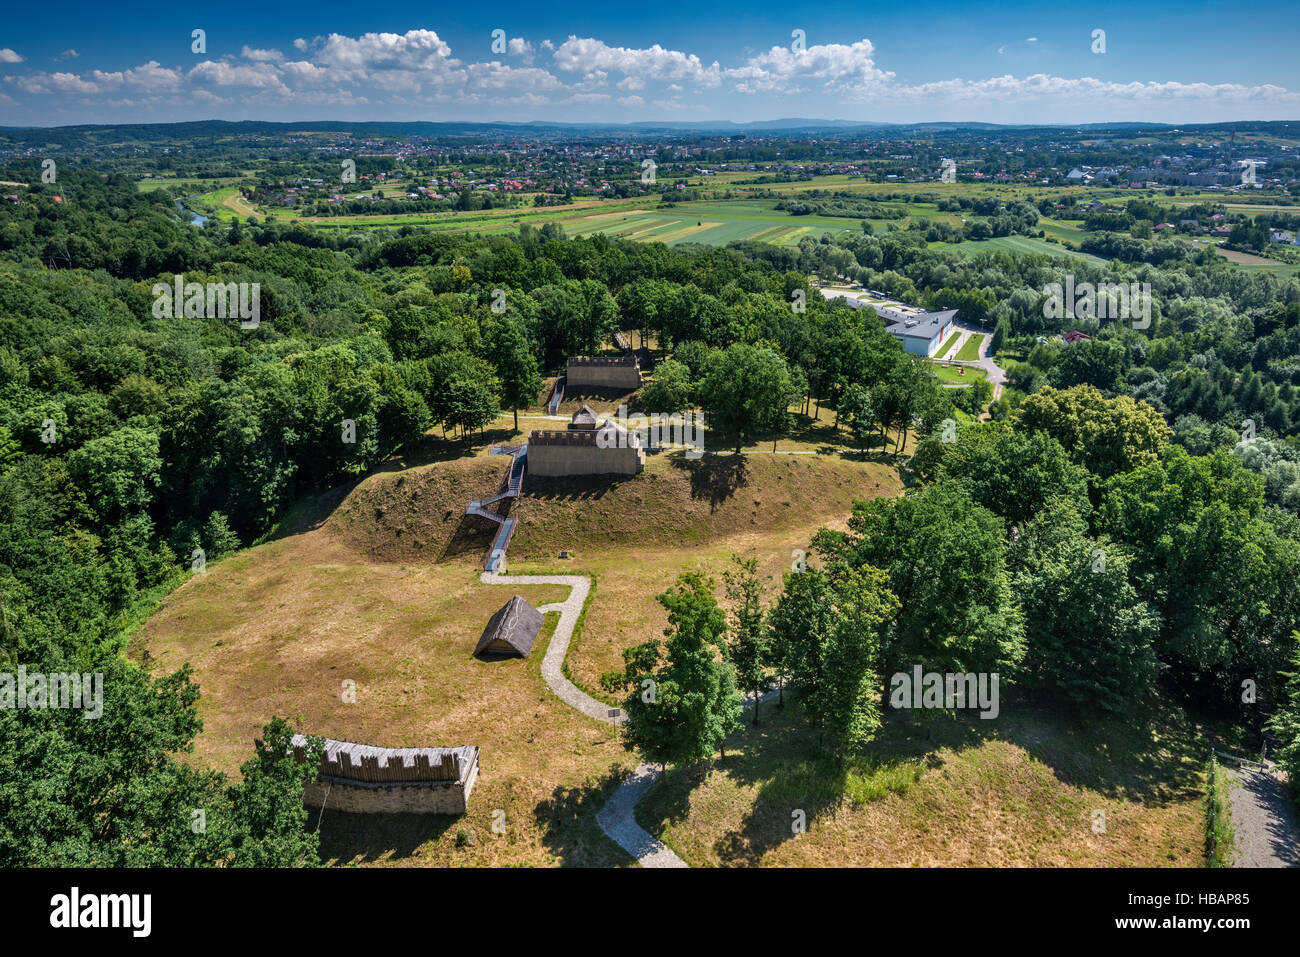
x: 512, y: 630
x: 584, y: 418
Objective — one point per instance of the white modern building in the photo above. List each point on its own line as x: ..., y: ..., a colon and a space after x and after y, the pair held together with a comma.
x: 920, y: 332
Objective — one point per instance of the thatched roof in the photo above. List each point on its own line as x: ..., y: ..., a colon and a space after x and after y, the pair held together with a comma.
x: 512, y: 630
x: 584, y: 418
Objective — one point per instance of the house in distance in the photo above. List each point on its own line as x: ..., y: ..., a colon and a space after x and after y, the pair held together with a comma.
x: 921, y: 332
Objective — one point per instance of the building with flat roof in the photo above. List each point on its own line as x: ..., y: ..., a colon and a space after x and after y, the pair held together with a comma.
x: 920, y: 332
x: 923, y: 333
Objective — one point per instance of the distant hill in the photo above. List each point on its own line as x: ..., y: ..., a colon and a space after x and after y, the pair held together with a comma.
x: 201, y: 133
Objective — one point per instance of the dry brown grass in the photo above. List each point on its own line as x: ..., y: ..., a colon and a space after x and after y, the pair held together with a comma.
x: 384, y: 590
x: 418, y: 514
x: 1015, y: 792
x: 278, y: 629
x: 677, y: 502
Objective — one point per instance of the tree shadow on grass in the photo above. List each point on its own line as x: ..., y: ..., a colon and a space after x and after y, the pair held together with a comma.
x: 1155, y: 755
x: 1155, y: 758
x: 870, y: 455
x: 714, y: 477
x: 609, y: 399
x: 432, y: 448
x: 365, y: 838
x: 800, y: 779
x: 567, y: 820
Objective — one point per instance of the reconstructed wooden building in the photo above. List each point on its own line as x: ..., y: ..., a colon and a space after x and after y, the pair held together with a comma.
x: 602, y: 372
x: 363, y: 779
x: 586, y: 447
x: 511, y: 631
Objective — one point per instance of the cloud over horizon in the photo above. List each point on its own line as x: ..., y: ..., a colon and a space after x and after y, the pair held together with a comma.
x: 416, y: 73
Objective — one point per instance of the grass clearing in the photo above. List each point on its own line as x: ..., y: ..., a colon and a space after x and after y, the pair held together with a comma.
x: 963, y: 374
x: 942, y: 791
x: 378, y: 583
x: 970, y: 350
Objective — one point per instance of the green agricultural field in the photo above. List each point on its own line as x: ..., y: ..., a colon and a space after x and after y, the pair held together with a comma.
x: 1018, y: 245
x: 226, y: 204
x: 188, y: 184
x: 709, y: 223
x: 1060, y: 229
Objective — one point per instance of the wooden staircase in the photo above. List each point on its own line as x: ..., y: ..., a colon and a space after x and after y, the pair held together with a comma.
x: 514, y: 485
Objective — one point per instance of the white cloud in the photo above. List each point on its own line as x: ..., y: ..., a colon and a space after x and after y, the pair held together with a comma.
x: 223, y: 73
x: 56, y: 83
x: 249, y: 53
x: 417, y: 69
x: 68, y: 54
x: 149, y: 77
x: 415, y: 49
x: 1042, y: 87
x: 9, y: 56
x: 304, y: 71
x: 499, y: 76
x: 583, y: 55
x: 838, y: 66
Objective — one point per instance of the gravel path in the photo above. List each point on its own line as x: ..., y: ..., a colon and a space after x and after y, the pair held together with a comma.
x: 1263, y: 819
x: 616, y: 818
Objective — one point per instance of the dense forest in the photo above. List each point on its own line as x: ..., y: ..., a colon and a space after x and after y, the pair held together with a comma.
x: 129, y: 443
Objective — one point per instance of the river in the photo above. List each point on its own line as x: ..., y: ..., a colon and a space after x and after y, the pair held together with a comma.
x: 195, y: 218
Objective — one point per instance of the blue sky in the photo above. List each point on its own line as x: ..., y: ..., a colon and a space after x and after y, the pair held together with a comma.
x: 1003, y: 62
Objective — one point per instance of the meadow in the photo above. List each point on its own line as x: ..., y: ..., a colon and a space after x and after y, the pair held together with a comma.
x: 377, y: 582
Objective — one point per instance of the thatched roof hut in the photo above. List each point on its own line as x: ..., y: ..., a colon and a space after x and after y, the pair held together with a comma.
x: 512, y: 630
x: 584, y: 418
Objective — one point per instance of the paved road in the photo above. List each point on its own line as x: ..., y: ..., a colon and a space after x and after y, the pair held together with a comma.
x: 1263, y: 819
x: 616, y: 818
x: 997, y: 377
